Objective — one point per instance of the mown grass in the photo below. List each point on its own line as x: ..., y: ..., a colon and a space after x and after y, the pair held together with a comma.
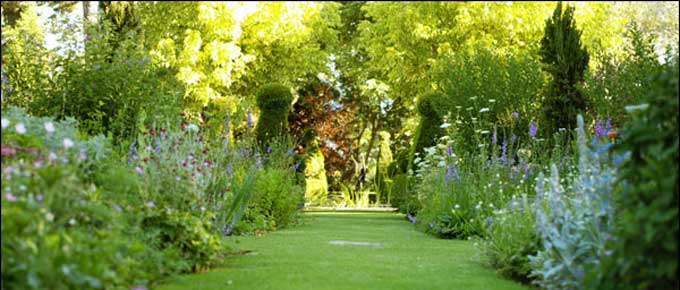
x: 301, y: 257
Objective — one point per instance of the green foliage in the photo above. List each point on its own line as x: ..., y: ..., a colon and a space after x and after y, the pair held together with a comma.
x: 274, y: 101
x: 274, y: 204
x: 566, y: 60
x: 643, y: 253
x: 429, y: 129
x: 57, y: 230
x: 503, y: 83
x: 316, y: 184
x: 621, y: 81
x: 510, y: 239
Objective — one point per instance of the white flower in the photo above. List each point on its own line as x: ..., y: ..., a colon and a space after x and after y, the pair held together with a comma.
x: 72, y: 222
x: 445, y: 125
x: 484, y: 132
x: 459, y: 122
x: 457, y: 206
x: 492, y: 100
x: 484, y: 110
x: 20, y: 128
x: 635, y: 108
x: 192, y: 128
x: 415, y: 161
x: 52, y: 156
x: 68, y: 143
x: 430, y: 150
x: 441, y: 164
x: 5, y: 123
x: 49, y: 127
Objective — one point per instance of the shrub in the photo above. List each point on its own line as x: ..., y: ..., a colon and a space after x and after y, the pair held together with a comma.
x: 429, y: 129
x: 566, y: 60
x: 274, y: 101
x: 510, y: 239
x: 504, y: 83
x: 643, y: 254
x: 56, y: 229
x: 316, y: 184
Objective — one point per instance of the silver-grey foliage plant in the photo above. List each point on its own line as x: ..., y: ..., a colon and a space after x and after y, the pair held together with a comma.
x: 575, y: 220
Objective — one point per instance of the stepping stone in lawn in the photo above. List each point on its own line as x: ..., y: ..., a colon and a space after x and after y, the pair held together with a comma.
x: 356, y: 243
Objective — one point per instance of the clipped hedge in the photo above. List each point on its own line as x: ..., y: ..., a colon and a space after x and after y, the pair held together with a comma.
x: 430, y: 110
x: 274, y: 102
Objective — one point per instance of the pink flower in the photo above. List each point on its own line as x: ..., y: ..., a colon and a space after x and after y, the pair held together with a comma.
x: 139, y: 170
x: 10, y: 197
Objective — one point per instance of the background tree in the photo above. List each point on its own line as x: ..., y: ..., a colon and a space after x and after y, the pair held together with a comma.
x: 566, y: 60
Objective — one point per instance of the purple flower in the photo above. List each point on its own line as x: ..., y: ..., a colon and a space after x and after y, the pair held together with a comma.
x: 10, y: 197
x: 117, y: 207
x: 139, y: 169
x: 150, y: 204
x: 513, y: 138
x: 269, y: 149
x: 599, y: 129
x: 451, y: 171
x: 37, y: 163
x: 127, y: 61
x: 504, y: 151
x: 138, y: 288
x: 608, y: 126
x: 39, y: 197
x: 9, y: 169
x: 259, y: 162
x: 449, y: 150
x: 250, y: 120
x: 494, y: 138
x: 140, y: 62
x: 515, y: 115
x: 533, y: 129
x: 411, y: 218
x: 83, y: 156
x: 97, y: 66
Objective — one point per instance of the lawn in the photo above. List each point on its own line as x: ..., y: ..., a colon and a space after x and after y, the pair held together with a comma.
x: 302, y: 257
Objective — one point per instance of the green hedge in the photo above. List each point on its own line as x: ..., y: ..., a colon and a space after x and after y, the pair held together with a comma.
x: 274, y: 102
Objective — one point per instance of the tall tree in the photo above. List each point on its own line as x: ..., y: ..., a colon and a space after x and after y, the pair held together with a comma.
x: 566, y: 60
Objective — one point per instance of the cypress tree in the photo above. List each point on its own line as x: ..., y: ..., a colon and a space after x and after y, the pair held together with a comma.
x: 566, y: 60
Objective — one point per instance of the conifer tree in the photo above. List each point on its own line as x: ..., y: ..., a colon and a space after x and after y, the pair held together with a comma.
x: 566, y: 60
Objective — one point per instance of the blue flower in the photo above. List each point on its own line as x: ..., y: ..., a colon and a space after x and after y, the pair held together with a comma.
x: 533, y: 129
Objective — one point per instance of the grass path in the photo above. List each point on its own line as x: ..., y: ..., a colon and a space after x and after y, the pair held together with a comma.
x: 303, y: 257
